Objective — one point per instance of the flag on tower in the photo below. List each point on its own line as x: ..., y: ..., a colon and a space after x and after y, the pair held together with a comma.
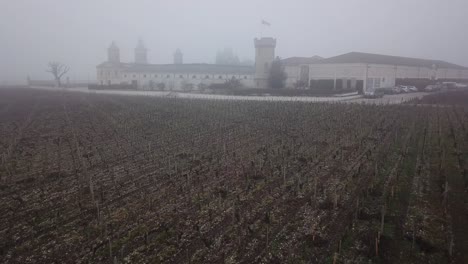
x: 265, y: 23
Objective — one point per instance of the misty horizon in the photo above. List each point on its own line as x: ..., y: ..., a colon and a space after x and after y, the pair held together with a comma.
x: 78, y: 33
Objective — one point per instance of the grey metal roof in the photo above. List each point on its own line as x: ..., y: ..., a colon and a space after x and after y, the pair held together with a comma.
x: 294, y: 61
x: 359, y: 57
x: 181, y: 68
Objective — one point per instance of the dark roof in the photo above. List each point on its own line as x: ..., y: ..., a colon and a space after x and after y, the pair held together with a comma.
x: 181, y: 68
x: 294, y: 61
x: 359, y: 57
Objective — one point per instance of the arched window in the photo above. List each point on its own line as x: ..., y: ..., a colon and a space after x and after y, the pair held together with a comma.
x: 245, y: 77
x: 155, y: 76
x: 144, y: 76
x: 181, y: 76
x: 125, y: 75
x: 168, y: 76
x: 134, y: 76
x: 207, y: 77
x: 193, y: 77
x: 220, y: 77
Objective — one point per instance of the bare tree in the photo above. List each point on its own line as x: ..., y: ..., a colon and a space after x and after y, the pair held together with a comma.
x: 57, y: 69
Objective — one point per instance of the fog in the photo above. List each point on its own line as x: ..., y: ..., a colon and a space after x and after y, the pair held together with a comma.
x: 78, y: 32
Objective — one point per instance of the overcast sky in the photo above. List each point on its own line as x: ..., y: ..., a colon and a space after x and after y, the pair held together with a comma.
x: 33, y: 32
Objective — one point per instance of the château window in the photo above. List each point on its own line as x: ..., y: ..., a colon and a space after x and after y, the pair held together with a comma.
x: 155, y: 76
x: 134, y: 75
x: 144, y: 76
x: 220, y: 77
x: 245, y: 77
x: 193, y: 77
x: 181, y: 76
x: 207, y: 77
x: 125, y: 75
x: 168, y: 76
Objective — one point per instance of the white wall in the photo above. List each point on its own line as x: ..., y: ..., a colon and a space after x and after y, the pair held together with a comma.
x: 387, y: 74
x: 171, y: 80
x: 109, y: 75
x: 349, y: 71
x: 293, y: 75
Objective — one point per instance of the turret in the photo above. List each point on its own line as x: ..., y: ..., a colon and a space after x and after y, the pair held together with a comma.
x: 113, y: 53
x: 264, y: 56
x: 178, y: 57
x: 141, y: 53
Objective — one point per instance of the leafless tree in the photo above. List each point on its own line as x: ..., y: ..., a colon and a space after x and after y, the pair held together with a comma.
x: 57, y: 69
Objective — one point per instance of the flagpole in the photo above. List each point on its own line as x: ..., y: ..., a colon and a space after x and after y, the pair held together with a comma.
x: 261, y: 30
x: 263, y: 23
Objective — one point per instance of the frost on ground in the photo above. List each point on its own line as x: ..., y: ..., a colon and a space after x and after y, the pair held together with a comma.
x: 349, y: 98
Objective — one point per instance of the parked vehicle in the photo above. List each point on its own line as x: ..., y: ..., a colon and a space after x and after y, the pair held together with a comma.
x: 396, y: 89
x: 450, y: 85
x: 430, y: 88
x: 387, y: 90
x: 412, y: 88
x: 434, y: 87
x: 377, y: 93
x: 405, y: 89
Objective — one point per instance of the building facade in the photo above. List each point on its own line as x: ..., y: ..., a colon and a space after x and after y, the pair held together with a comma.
x: 365, y: 71
x: 297, y: 71
x: 179, y: 76
x: 350, y: 71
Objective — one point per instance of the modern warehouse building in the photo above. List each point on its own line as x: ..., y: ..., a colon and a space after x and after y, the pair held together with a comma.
x: 362, y: 71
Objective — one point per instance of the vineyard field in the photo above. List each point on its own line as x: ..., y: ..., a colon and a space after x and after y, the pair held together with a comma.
x: 97, y: 178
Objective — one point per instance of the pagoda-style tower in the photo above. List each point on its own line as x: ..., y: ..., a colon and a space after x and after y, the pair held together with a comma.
x: 141, y: 53
x: 113, y: 53
x: 178, y: 57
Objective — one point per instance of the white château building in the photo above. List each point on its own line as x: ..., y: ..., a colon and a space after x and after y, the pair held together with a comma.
x: 354, y: 70
x: 181, y: 76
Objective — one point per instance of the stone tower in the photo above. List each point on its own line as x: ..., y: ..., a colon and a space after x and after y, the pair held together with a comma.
x: 113, y: 53
x: 264, y: 56
x: 178, y: 57
x: 141, y: 53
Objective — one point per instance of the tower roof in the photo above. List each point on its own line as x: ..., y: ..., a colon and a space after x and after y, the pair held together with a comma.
x: 360, y: 57
x: 265, y: 42
x: 140, y: 44
x: 294, y: 61
x: 113, y: 45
